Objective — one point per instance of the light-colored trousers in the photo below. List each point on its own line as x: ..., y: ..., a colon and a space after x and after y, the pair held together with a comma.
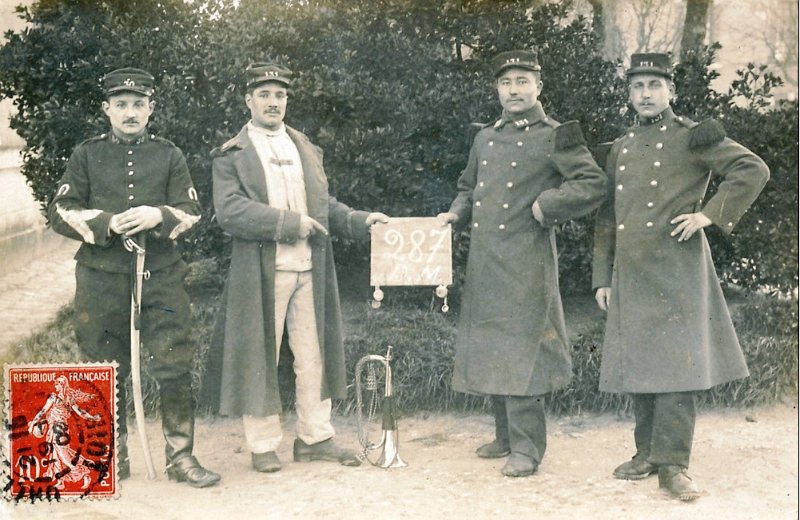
x: 294, y: 308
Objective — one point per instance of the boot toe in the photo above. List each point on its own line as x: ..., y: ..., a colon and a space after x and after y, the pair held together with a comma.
x: 326, y: 450
x: 635, y: 469
x: 189, y: 470
x: 266, y: 462
x: 493, y: 450
x: 675, y: 481
x: 519, y: 465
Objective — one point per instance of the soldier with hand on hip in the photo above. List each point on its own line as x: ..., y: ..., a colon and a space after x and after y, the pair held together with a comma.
x: 668, y: 330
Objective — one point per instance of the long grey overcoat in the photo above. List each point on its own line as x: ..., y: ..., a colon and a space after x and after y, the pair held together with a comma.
x: 511, y: 335
x: 668, y: 328
x: 242, y: 373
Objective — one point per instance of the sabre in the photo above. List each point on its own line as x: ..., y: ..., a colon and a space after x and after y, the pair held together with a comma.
x: 139, y: 275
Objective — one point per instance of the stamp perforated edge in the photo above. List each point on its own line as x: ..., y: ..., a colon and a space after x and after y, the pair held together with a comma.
x: 5, y: 441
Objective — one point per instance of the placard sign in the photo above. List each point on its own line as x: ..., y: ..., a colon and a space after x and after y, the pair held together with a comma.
x: 411, y: 251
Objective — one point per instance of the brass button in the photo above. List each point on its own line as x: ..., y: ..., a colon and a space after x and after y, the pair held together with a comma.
x: 654, y: 183
x: 657, y: 164
x: 649, y: 224
x: 510, y: 184
x: 621, y: 226
x: 619, y: 187
x: 622, y: 168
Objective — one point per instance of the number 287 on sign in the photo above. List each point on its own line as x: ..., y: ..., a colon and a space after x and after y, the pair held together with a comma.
x: 411, y: 251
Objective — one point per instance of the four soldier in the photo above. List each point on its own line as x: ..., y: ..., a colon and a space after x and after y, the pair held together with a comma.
x: 668, y: 331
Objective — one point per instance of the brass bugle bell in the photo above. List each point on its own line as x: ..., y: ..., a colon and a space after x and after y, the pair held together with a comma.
x: 389, y: 443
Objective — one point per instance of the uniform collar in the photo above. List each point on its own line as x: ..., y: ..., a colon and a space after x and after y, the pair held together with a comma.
x: 520, y: 121
x: 666, y: 115
x: 129, y: 142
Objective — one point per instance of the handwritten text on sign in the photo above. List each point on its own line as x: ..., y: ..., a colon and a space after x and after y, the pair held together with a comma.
x: 411, y: 251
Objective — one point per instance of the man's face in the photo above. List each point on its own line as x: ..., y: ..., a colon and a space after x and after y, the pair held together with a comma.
x: 267, y: 104
x: 650, y: 93
x: 518, y: 89
x: 129, y: 113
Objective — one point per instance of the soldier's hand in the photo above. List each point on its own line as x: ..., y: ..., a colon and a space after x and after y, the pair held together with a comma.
x: 372, y: 218
x: 688, y: 225
x: 309, y: 226
x: 603, y: 297
x: 446, y: 218
x: 135, y: 220
x: 537, y: 212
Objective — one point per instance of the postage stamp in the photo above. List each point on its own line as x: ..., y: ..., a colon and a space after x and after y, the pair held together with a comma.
x: 60, y: 431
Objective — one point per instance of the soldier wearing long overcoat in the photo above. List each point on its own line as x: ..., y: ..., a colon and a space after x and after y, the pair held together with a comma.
x: 525, y: 174
x: 271, y: 196
x: 668, y: 330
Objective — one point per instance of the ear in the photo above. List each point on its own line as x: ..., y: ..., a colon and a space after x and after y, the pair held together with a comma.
x: 247, y: 99
x: 106, y: 106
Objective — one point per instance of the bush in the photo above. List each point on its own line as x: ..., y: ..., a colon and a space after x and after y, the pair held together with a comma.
x: 387, y: 88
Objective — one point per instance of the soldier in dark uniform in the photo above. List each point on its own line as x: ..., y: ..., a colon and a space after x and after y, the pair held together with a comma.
x: 668, y: 331
x: 128, y: 183
x: 525, y: 174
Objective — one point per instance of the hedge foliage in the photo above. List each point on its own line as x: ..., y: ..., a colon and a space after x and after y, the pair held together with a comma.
x: 388, y: 89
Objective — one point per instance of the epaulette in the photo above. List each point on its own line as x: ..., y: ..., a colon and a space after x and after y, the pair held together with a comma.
x: 220, y: 150
x: 706, y: 133
x: 473, y: 130
x: 600, y: 153
x: 156, y: 138
x: 569, y: 134
x: 101, y: 137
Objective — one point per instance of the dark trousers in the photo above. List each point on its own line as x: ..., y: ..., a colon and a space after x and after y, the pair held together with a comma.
x: 520, y: 422
x: 664, y: 427
x: 102, y: 327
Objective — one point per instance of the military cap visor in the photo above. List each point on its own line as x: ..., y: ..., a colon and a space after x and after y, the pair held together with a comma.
x: 129, y: 80
x: 259, y: 73
x: 651, y: 63
x: 520, y: 59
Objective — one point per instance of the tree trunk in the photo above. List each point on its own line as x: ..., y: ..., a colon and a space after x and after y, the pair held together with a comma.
x: 598, y: 23
x: 694, y: 26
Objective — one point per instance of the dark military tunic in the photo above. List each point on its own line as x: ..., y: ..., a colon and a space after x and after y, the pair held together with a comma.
x: 511, y: 335
x: 106, y: 176
x: 668, y: 326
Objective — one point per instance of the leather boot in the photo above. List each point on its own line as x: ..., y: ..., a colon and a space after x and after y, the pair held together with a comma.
x: 500, y: 446
x: 177, y: 422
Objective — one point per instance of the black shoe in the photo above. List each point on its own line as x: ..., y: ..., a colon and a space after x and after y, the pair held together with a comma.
x: 635, y: 469
x: 677, y: 483
x: 187, y: 469
x: 519, y: 465
x: 123, y: 469
x: 493, y: 450
x: 325, y: 450
x: 266, y: 462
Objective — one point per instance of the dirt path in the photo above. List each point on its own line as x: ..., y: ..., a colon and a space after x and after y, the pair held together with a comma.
x: 31, y: 295
x: 745, y: 461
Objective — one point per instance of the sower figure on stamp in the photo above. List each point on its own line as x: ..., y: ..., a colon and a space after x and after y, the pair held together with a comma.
x: 525, y: 174
x: 668, y: 331
x: 271, y: 196
x: 128, y: 183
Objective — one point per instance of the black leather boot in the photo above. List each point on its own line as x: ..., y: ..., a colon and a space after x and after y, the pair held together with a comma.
x: 177, y: 421
x: 500, y: 446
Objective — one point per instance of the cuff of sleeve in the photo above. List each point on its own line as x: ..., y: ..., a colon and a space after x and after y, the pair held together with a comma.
x: 100, y: 227
x: 288, y: 229
x: 357, y: 225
